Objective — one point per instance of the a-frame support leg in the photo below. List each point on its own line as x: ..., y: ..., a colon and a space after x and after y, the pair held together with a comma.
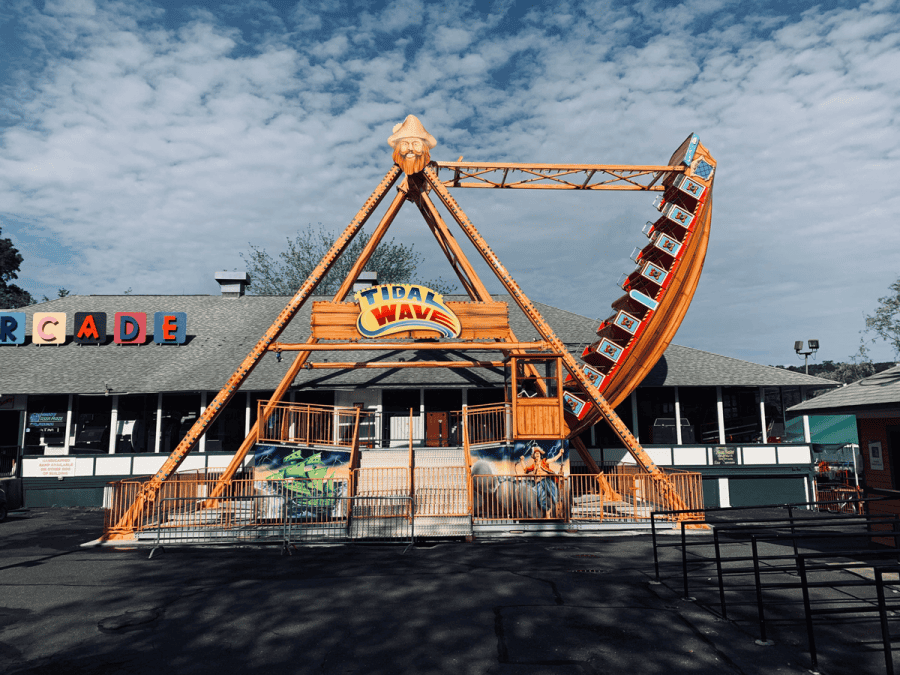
x: 640, y: 456
x: 302, y: 357
x: 124, y: 529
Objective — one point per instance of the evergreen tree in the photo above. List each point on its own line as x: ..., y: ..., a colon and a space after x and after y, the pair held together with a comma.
x: 11, y: 296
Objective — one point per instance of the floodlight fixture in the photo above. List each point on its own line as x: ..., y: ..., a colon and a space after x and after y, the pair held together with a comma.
x: 813, y: 348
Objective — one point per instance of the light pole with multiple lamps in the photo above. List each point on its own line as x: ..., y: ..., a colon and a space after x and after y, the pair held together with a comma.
x: 813, y: 348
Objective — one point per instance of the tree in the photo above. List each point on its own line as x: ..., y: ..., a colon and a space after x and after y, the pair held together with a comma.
x: 11, y: 296
x: 394, y: 263
x: 885, y: 322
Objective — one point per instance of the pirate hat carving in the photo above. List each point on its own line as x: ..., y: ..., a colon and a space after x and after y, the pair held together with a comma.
x: 411, y: 127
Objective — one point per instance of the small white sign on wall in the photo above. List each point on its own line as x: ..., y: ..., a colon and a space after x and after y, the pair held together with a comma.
x: 52, y: 467
x: 876, y: 461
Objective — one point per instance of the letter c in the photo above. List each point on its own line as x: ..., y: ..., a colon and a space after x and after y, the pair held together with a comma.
x: 46, y: 336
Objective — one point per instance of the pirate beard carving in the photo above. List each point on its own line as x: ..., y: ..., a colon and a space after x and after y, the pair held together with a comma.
x: 411, y: 144
x: 411, y: 155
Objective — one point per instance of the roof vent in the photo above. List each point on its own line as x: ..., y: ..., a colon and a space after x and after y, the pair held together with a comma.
x: 366, y: 279
x: 233, y: 284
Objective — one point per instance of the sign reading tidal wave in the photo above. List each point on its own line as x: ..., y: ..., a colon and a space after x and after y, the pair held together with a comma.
x: 394, y: 308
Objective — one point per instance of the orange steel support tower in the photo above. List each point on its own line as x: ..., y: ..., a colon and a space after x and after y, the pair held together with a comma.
x: 631, y: 340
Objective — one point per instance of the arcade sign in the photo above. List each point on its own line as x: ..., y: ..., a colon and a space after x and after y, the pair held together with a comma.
x: 396, y: 308
x: 89, y: 328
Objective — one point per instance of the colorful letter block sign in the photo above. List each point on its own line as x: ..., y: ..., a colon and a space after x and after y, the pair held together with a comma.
x: 169, y: 328
x: 48, y: 328
x: 90, y: 328
x: 12, y: 328
x: 130, y: 328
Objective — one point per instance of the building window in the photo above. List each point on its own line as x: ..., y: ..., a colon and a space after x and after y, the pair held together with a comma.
x: 45, y: 424
x: 179, y: 412
x: 486, y: 396
x: 656, y: 415
x: 226, y: 433
x: 91, y: 420
x: 136, y: 423
x: 699, y: 416
x: 740, y: 407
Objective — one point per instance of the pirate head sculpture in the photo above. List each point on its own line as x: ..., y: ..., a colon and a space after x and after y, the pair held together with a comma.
x: 411, y: 144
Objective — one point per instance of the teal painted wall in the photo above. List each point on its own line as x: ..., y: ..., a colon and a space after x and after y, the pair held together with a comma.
x: 826, y: 429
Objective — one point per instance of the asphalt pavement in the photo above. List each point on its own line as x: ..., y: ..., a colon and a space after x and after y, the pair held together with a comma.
x: 579, y: 604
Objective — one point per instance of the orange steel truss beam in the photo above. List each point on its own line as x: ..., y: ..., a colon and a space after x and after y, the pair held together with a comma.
x: 357, y: 365
x: 125, y: 527
x: 458, y: 260
x: 518, y: 176
x: 301, y: 360
x: 622, y: 431
x: 402, y: 346
x: 415, y: 188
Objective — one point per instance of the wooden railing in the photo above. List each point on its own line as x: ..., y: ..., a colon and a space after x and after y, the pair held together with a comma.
x: 308, y: 424
x: 490, y: 423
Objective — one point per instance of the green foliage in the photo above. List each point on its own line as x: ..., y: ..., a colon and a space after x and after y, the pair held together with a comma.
x: 885, y: 322
x: 60, y: 293
x: 394, y: 263
x: 11, y: 296
x: 859, y: 366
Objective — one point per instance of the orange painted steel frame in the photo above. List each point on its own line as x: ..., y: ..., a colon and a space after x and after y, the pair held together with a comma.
x: 125, y: 528
x: 415, y: 189
x: 555, y: 343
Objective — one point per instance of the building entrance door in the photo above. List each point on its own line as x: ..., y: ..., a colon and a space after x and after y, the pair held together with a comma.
x: 10, y: 423
x: 437, y: 429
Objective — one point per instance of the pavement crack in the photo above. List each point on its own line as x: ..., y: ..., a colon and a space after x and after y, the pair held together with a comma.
x: 557, y: 597
x: 502, y: 649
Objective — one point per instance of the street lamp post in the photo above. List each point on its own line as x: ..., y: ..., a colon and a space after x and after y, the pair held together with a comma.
x: 813, y: 348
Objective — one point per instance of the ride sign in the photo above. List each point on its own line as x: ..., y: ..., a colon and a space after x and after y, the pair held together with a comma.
x: 395, y: 308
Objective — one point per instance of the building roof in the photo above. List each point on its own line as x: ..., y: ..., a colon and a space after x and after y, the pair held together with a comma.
x: 687, y: 367
x: 222, y: 330
x: 881, y: 390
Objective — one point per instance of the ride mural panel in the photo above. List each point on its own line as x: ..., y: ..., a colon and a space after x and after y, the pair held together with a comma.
x: 524, y: 481
x: 313, y: 483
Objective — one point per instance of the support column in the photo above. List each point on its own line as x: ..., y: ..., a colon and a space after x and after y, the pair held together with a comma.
x: 422, y: 413
x: 807, y: 436
x: 720, y: 415
x: 202, y: 444
x: 724, y: 495
x: 23, y: 421
x: 158, y: 438
x: 634, y: 416
x: 66, y: 442
x: 113, y: 423
x: 246, y: 413
x: 762, y: 415
x: 677, y: 418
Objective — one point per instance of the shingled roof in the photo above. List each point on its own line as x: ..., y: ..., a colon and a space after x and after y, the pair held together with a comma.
x: 222, y: 330
x: 878, y: 391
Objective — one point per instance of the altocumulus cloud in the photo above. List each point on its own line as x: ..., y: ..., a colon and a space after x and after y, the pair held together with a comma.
x: 143, y: 144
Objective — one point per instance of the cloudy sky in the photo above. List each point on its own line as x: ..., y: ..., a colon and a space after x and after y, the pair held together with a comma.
x: 146, y: 144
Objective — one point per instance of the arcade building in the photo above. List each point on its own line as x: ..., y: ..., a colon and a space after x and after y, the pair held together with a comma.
x: 84, y: 404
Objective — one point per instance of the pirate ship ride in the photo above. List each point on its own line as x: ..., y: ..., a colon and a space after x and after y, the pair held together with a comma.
x: 552, y: 395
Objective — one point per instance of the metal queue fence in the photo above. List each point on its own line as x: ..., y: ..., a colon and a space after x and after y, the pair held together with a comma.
x: 633, y: 498
x: 787, y: 576
x: 383, y: 519
x: 280, y: 515
x: 439, y: 492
